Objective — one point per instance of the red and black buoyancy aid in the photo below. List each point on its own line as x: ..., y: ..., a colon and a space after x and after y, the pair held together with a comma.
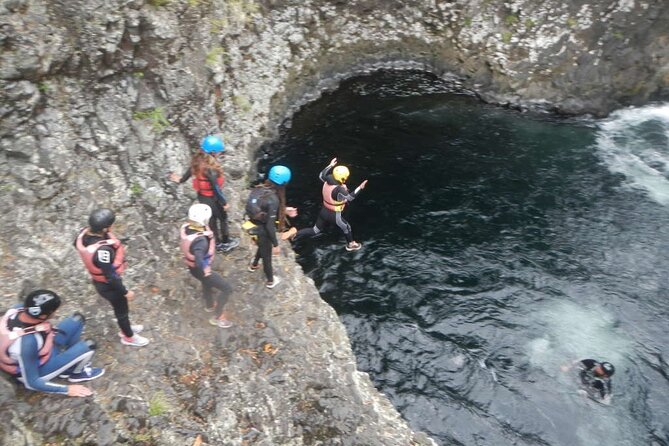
x: 203, y: 187
x: 328, y: 202
x: 87, y: 253
x: 8, y: 337
x: 188, y: 239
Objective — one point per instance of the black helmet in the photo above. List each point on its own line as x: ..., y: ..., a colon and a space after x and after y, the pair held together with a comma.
x: 608, y: 368
x: 41, y: 302
x: 100, y: 219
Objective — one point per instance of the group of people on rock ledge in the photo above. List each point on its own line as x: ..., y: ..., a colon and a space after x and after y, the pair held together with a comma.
x: 35, y: 352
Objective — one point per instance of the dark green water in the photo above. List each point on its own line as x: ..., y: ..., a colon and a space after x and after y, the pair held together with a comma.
x: 497, y: 246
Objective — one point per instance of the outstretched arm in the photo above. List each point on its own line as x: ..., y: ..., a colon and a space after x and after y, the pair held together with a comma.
x: 324, y: 173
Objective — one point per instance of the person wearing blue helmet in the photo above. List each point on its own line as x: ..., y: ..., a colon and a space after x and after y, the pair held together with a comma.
x: 207, y: 174
x: 266, y: 208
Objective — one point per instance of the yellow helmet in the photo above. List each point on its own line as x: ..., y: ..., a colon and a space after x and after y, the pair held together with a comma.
x: 340, y: 173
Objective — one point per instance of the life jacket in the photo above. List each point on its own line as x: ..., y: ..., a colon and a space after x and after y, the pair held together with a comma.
x: 88, y: 252
x: 328, y: 202
x: 203, y: 187
x: 188, y: 239
x: 8, y: 337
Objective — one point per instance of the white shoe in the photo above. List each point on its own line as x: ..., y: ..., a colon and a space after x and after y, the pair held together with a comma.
x: 135, y: 329
x: 135, y: 341
x: 277, y: 280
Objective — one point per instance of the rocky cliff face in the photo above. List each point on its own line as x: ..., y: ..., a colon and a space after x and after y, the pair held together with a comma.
x: 100, y: 99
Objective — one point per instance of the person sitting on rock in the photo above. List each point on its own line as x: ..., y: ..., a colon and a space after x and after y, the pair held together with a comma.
x: 103, y: 256
x: 34, y: 352
x: 335, y: 198
x: 266, y: 209
x: 198, y: 248
x: 208, y: 182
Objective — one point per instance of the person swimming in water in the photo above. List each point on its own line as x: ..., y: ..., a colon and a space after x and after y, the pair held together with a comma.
x: 595, y: 378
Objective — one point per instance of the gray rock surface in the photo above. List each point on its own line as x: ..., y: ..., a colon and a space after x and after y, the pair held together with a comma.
x: 100, y: 99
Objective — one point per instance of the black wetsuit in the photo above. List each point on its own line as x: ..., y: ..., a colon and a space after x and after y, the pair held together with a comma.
x: 595, y: 385
x: 216, y: 203
x: 266, y: 232
x: 113, y: 290
x: 199, y: 248
x: 328, y: 217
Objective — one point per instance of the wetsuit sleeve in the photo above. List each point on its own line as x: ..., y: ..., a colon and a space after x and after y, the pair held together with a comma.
x: 270, y: 223
x: 199, y: 248
x: 212, y: 176
x: 587, y: 364
x: 324, y: 173
x: 342, y: 194
x: 104, y: 259
x: 29, y: 365
x: 186, y: 175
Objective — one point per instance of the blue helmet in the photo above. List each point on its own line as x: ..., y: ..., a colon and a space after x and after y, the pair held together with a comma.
x: 212, y: 144
x: 279, y: 175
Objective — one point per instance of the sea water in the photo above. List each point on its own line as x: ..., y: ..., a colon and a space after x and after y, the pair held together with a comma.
x: 498, y: 246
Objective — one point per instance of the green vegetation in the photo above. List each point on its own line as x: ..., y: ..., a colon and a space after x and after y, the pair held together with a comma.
x: 242, y: 103
x: 529, y: 23
x: 136, y: 189
x: 468, y: 21
x: 241, y: 10
x: 511, y: 20
x: 618, y: 35
x: 138, y: 74
x: 218, y: 25
x: 158, y: 405
x: 158, y: 3
x: 572, y: 22
x: 506, y: 36
x: 44, y: 87
x: 215, y: 54
x: 157, y: 117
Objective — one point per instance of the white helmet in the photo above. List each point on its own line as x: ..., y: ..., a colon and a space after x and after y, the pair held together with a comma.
x: 199, y: 213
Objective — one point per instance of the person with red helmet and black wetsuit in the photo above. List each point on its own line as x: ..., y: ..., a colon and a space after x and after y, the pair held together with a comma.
x: 207, y: 174
x: 103, y: 256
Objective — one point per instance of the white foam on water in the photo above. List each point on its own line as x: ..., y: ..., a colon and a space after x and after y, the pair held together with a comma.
x: 575, y: 331
x: 634, y: 142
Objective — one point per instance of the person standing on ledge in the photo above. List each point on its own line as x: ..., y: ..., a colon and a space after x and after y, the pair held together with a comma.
x: 335, y: 198
x: 595, y: 378
x: 34, y: 352
x: 208, y: 182
x: 103, y: 256
x: 266, y: 207
x: 197, y: 246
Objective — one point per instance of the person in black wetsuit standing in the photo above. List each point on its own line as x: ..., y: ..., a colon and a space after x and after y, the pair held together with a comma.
x: 197, y: 246
x: 103, y: 256
x: 267, y: 208
x: 335, y: 197
x: 207, y: 174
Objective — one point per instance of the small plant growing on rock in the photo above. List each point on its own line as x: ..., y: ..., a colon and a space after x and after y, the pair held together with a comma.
x: 158, y: 3
x: 506, y: 36
x: 157, y: 117
x: 572, y: 22
x: 136, y: 189
x: 214, y: 54
x: 158, y: 405
x: 511, y: 20
x: 242, y: 103
x: 44, y: 87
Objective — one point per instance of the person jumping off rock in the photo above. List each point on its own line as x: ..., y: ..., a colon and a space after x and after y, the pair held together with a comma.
x: 103, y: 256
x: 34, y: 352
x: 208, y: 182
x: 335, y: 198
x: 197, y: 246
